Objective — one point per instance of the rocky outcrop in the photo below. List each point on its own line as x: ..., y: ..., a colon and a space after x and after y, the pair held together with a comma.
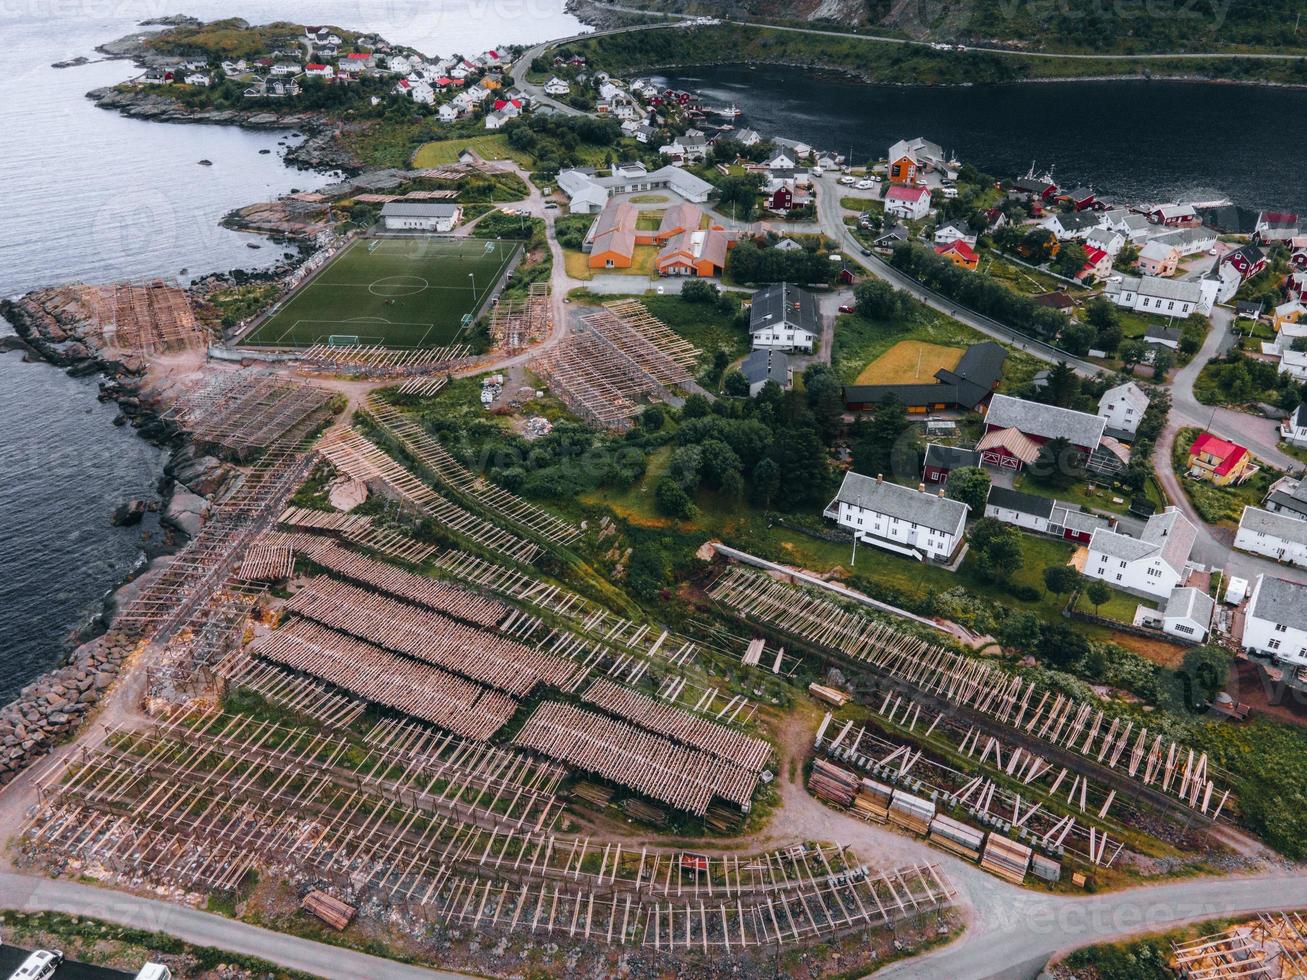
x: 322, y: 150
x: 50, y: 708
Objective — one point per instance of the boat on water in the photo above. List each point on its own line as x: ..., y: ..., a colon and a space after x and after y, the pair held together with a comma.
x: 731, y: 111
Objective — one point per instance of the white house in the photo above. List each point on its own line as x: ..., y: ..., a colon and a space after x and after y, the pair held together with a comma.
x: 915, y: 523
x: 1151, y: 294
x: 1189, y: 241
x: 437, y: 216
x: 950, y: 233
x: 1106, y: 240
x: 1220, y: 284
x: 1135, y: 227
x: 1293, y: 430
x: 784, y: 317
x: 556, y: 86
x: 1293, y: 363
x: 314, y: 70
x: 1123, y: 407
x: 494, y: 120
x: 1275, y: 622
x: 766, y: 365
x: 447, y: 113
x: 197, y: 78
x: 1024, y: 510
x: 285, y: 68
x: 1152, y: 564
x: 912, y: 203
x: 1275, y: 535
x: 1077, y: 224
x: 1188, y: 613
x: 781, y: 161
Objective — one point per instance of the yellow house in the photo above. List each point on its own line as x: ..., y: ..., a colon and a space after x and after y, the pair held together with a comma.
x: 1220, y: 462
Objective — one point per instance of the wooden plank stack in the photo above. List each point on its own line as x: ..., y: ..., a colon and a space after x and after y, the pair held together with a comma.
x: 873, y: 799
x: 1006, y: 858
x: 828, y: 694
x: 957, y: 837
x: 332, y: 911
x: 831, y: 783
x: 1045, y: 868
x: 911, y: 813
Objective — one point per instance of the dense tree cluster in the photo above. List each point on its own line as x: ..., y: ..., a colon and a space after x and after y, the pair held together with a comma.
x: 770, y: 449
x: 751, y: 263
x: 981, y: 293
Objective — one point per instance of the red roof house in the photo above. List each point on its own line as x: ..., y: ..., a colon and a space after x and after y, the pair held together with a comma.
x: 1218, y: 460
x: 959, y: 253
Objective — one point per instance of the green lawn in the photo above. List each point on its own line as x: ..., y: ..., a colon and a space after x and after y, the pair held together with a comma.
x: 1120, y: 607
x: 859, y: 341
x: 404, y: 292
x: 493, y: 146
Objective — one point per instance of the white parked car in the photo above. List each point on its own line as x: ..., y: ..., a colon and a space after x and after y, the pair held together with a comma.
x: 40, y: 965
x: 817, y: 172
x: 865, y: 185
x: 846, y: 179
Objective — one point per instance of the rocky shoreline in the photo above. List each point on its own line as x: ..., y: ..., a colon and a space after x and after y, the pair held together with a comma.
x: 323, y: 150
x: 51, y: 707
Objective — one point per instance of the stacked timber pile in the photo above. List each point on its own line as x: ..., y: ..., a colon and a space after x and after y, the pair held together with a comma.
x: 873, y: 799
x: 828, y: 694
x: 952, y: 835
x: 831, y: 783
x: 1045, y: 868
x: 332, y: 911
x: 652, y: 765
x: 644, y: 812
x: 745, y: 751
x: 593, y: 793
x: 911, y: 812
x: 1006, y: 858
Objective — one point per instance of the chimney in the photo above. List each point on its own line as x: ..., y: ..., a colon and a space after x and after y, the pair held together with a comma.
x: 880, y: 478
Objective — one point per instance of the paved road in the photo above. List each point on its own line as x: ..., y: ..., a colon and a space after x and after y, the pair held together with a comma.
x: 26, y: 894
x: 831, y: 217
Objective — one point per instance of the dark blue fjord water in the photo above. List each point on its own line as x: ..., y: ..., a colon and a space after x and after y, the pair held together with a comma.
x: 1137, y: 141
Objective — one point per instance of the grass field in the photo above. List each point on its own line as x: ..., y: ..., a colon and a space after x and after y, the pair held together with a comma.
x: 910, y: 362
x: 396, y: 292
x: 492, y: 147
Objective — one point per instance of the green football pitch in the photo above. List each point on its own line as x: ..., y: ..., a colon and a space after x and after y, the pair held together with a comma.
x: 395, y: 292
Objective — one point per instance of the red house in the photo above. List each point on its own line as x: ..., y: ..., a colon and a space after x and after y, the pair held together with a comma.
x: 1248, y: 261
x: 1015, y: 429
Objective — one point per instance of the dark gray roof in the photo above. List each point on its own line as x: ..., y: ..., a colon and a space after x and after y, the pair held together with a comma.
x: 1279, y: 601
x: 763, y: 365
x: 1158, y: 332
x: 950, y: 457
x: 1300, y: 415
x: 1078, y: 221
x: 1022, y: 503
x: 1045, y: 421
x: 783, y: 302
x: 922, y: 507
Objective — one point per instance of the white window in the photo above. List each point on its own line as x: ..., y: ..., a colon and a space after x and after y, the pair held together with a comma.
x: 1273, y: 644
x: 1281, y: 628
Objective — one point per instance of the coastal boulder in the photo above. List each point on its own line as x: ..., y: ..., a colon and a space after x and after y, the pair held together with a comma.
x: 186, y: 512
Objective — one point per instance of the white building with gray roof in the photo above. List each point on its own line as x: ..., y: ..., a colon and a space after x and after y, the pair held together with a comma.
x: 1161, y: 297
x: 1152, y: 564
x: 1121, y: 408
x: 420, y: 216
x: 1275, y: 623
x: 915, y: 523
x: 1275, y: 535
x: 1188, y: 614
x: 1044, y: 422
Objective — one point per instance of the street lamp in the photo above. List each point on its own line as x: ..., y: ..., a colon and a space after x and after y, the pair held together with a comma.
x: 473, y: 277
